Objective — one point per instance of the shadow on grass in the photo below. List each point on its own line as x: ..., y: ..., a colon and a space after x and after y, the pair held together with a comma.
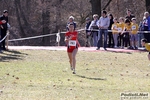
x: 127, y: 52
x: 6, y: 56
x: 104, y: 79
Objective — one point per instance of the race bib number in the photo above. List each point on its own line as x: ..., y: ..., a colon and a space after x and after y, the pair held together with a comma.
x: 119, y: 29
x: 115, y: 27
x: 133, y: 27
x: 72, y: 43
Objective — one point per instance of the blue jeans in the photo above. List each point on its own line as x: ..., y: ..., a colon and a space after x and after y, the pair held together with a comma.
x: 105, y: 32
x: 94, y: 38
x: 140, y: 36
x: 0, y: 47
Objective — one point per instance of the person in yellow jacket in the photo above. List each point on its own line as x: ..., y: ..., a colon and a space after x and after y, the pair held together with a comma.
x: 121, y: 25
x: 134, y: 35
x: 114, y: 29
x: 126, y: 33
x: 146, y: 45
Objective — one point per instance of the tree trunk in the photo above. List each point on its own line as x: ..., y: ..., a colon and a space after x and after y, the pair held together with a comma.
x: 96, y: 7
x: 147, y: 5
x: 45, y: 23
x: 19, y: 19
x: 107, y: 4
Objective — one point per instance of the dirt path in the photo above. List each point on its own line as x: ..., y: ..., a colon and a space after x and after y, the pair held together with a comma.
x: 64, y: 48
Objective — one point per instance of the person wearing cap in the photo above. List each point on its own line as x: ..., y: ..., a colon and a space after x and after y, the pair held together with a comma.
x: 4, y: 27
x: 71, y: 21
x: 147, y: 26
x: 94, y: 29
x: 143, y: 26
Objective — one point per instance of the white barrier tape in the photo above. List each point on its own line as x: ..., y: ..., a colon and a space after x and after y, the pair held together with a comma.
x: 117, y: 31
x: 4, y: 38
x: 81, y: 30
x: 58, y: 35
x: 57, y: 38
x: 32, y: 37
x: 63, y: 32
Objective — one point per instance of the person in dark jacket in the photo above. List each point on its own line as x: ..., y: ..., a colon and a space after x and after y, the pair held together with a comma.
x: 129, y: 15
x: 110, y: 36
x: 88, y: 32
x: 4, y: 27
x: 146, y: 25
x: 71, y: 21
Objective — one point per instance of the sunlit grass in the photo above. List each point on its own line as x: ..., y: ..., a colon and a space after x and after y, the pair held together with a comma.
x: 46, y: 75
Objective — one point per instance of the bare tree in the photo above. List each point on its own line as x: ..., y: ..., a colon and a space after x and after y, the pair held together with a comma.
x: 37, y: 17
x: 107, y: 4
x: 96, y: 7
x: 147, y: 5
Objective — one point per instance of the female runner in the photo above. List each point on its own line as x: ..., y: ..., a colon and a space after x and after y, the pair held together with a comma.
x: 72, y: 46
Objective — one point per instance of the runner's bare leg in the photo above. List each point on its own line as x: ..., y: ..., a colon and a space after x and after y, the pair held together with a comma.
x: 74, y: 58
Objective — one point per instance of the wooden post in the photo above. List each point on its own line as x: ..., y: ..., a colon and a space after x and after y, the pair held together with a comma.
x: 58, y: 37
x: 7, y: 38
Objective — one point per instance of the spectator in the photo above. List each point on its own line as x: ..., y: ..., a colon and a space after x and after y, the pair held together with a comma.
x: 94, y: 29
x: 103, y: 24
x: 4, y: 27
x: 121, y: 26
x: 115, y: 32
x: 134, y: 35
x: 110, y: 35
x: 129, y: 15
x: 126, y: 34
x: 2, y: 22
x: 88, y: 32
x: 141, y: 29
x: 71, y: 21
x: 146, y: 26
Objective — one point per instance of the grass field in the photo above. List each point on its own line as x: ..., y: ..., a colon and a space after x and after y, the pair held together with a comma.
x: 46, y: 75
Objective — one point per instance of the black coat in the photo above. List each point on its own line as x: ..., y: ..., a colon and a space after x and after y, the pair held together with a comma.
x: 110, y: 25
x: 6, y: 19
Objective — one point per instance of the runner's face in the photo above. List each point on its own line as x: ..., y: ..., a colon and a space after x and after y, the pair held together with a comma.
x: 71, y: 27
